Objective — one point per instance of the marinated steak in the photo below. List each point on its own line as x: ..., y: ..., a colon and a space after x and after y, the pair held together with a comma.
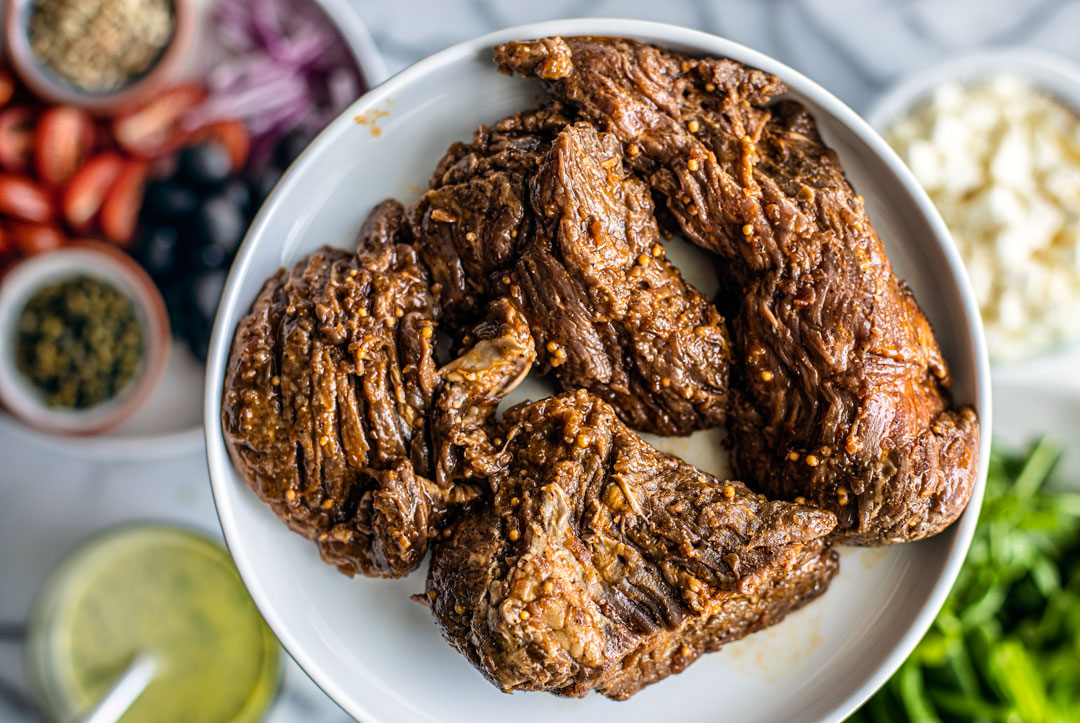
x: 735, y: 617
x: 559, y: 225
x: 498, y: 356
x: 840, y: 392
x: 603, y: 564
x: 328, y: 391
x: 608, y: 311
x: 471, y: 222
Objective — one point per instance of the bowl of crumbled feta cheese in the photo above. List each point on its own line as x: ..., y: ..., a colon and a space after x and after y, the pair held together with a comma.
x: 994, y: 138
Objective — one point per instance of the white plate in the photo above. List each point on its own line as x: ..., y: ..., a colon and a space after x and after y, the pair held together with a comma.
x: 378, y: 654
x: 170, y: 423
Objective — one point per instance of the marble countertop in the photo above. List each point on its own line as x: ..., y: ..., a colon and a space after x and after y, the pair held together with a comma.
x: 855, y: 48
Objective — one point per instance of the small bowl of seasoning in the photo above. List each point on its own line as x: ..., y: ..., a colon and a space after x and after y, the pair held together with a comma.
x: 98, y: 54
x: 85, y: 338
x: 994, y: 138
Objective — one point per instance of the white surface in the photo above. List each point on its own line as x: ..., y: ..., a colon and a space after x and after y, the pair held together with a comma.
x: 856, y: 48
x: 388, y: 662
x: 1027, y: 411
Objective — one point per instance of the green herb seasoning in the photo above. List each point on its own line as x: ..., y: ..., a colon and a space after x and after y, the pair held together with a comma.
x: 1006, y: 645
x: 80, y: 342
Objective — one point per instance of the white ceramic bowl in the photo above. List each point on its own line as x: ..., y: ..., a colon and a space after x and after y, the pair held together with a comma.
x: 115, y: 268
x: 378, y: 654
x: 1052, y: 73
x: 1058, y: 76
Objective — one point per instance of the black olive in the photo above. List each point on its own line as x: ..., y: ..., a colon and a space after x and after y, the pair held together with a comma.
x: 175, y: 293
x: 157, y: 250
x: 207, y: 164
x: 238, y: 191
x: 289, y: 146
x: 221, y: 223
x: 197, y: 335
x: 266, y: 180
x: 168, y: 201
x: 204, y: 295
x: 212, y: 256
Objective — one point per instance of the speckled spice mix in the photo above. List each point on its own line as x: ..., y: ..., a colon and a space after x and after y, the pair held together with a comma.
x: 99, y: 45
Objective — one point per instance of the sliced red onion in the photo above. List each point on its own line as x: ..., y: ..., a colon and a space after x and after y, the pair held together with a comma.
x: 283, y: 66
x: 343, y: 88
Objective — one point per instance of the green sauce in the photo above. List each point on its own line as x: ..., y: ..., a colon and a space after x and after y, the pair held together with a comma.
x: 165, y: 592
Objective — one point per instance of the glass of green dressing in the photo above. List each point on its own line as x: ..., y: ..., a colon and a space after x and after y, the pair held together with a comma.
x: 161, y: 591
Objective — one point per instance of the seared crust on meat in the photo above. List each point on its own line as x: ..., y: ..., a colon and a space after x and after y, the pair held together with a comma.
x: 608, y: 311
x: 840, y: 393
x: 544, y: 212
x: 599, y: 556
x: 335, y: 415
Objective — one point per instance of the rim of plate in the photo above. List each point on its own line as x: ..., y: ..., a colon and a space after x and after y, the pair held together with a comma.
x: 131, y: 447
x: 674, y: 36
x: 1046, y: 71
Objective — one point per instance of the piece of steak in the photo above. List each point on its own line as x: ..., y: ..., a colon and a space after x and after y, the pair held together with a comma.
x: 840, y: 388
x: 735, y: 618
x: 328, y: 393
x: 471, y: 221
x: 608, y: 311
x: 604, y: 564
x: 545, y: 213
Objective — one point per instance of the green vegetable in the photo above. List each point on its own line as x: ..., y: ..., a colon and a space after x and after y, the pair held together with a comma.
x: 1006, y: 645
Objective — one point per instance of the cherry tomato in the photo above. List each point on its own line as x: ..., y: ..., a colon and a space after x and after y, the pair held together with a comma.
x: 153, y: 129
x: 85, y: 192
x: 24, y: 200
x: 64, y: 136
x: 35, y: 238
x: 16, y: 139
x: 120, y: 210
x: 7, y: 86
x: 233, y: 136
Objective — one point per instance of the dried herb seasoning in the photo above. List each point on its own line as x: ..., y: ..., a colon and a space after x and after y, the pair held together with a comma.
x: 79, y: 341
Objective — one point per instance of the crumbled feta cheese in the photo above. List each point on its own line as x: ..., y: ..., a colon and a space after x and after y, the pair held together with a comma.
x: 1001, y: 160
